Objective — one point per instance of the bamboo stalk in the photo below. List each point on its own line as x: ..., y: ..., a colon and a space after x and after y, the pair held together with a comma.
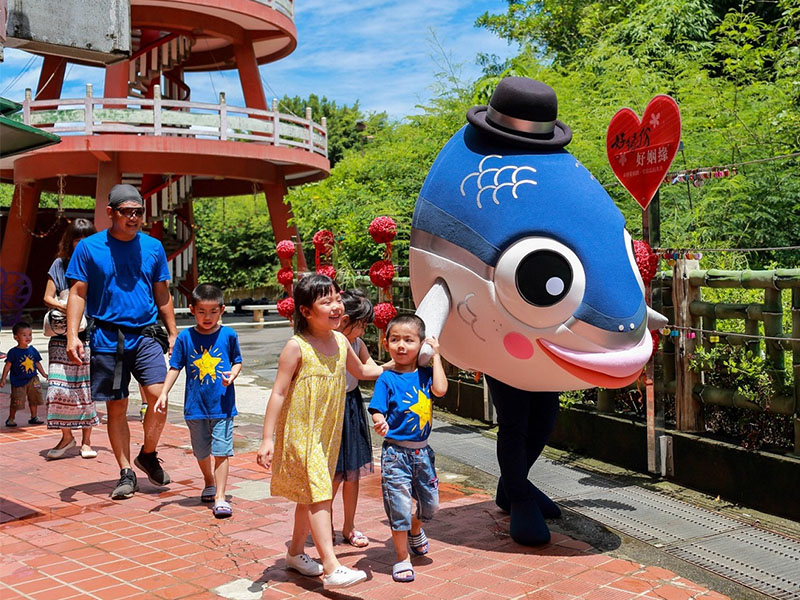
x: 773, y: 327
x: 717, y: 278
x: 723, y: 310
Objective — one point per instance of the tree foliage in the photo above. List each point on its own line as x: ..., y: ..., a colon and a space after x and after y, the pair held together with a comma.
x: 348, y: 126
x: 235, y: 245
x: 733, y: 71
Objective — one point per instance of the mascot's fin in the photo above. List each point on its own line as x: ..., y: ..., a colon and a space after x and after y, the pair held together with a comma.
x: 433, y: 309
x: 655, y: 320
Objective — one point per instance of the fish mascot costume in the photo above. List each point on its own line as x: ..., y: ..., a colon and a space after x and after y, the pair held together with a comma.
x: 521, y: 264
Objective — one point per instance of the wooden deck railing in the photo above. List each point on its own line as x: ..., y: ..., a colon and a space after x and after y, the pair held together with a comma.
x: 161, y: 117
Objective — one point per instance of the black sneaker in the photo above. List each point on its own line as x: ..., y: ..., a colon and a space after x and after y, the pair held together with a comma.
x: 126, y: 485
x: 151, y: 465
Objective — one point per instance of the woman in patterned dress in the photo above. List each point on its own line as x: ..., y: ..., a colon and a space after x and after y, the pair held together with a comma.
x: 69, y: 395
x: 304, y: 414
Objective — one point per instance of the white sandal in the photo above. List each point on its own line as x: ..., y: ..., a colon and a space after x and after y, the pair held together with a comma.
x: 342, y: 577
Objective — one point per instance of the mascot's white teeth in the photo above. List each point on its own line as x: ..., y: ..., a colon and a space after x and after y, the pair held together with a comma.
x: 614, y: 363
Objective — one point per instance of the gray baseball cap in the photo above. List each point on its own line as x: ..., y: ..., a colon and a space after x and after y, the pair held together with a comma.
x: 123, y: 192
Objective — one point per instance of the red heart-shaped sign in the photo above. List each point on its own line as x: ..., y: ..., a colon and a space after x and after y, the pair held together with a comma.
x: 640, y: 152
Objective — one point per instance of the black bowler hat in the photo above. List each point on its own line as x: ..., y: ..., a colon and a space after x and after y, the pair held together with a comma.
x: 523, y: 112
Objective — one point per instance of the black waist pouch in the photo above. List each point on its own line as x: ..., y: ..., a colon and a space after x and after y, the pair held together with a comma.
x: 159, y: 334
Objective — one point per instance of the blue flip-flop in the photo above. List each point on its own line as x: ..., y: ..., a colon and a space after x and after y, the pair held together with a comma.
x: 419, y: 543
x: 222, y: 510
x: 403, y: 567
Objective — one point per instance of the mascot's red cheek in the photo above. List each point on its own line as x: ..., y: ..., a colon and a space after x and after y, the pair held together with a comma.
x: 518, y: 346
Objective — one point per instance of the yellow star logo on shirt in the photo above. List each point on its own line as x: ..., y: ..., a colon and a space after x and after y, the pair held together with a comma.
x: 27, y: 364
x: 207, y: 365
x: 423, y: 409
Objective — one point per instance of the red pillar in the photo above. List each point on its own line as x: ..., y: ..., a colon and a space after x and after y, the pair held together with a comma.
x: 108, y: 176
x: 279, y: 214
x: 21, y: 219
x: 116, y: 81
x: 51, y: 78
x: 249, y: 75
x: 279, y: 211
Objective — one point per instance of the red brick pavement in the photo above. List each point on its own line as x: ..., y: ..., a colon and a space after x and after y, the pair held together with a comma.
x: 62, y: 537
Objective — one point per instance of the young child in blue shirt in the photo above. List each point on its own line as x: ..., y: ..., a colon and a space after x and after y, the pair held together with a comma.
x: 210, y: 354
x: 22, y: 361
x: 402, y: 412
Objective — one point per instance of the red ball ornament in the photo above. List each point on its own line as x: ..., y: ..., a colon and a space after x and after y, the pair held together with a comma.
x: 285, y: 249
x: 384, y: 312
x: 323, y: 241
x: 646, y: 260
x: 285, y: 276
x: 383, y: 229
x: 286, y: 308
x: 327, y: 270
x: 381, y: 273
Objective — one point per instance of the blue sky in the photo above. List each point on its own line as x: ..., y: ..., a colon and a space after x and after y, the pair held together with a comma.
x: 379, y: 52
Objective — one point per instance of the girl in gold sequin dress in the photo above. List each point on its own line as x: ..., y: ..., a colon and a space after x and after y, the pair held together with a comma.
x: 304, y: 414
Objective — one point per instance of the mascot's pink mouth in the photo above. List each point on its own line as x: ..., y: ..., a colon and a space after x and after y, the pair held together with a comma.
x: 612, y: 369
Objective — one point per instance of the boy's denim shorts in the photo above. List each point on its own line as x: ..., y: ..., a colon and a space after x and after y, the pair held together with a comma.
x: 211, y: 437
x: 406, y: 474
x: 145, y: 362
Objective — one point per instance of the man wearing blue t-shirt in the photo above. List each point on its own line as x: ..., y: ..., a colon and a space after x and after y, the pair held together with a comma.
x: 120, y: 277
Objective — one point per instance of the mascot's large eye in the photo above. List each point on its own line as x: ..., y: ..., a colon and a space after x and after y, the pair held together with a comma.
x: 540, y: 281
x: 543, y: 277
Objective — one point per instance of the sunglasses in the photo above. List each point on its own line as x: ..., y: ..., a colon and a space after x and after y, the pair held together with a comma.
x: 130, y: 213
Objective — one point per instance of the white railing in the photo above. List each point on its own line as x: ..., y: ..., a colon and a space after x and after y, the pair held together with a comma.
x: 162, y: 117
x: 282, y: 6
x: 180, y: 261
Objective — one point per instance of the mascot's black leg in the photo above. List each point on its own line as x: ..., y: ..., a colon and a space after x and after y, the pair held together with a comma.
x: 542, y: 421
x: 523, y: 428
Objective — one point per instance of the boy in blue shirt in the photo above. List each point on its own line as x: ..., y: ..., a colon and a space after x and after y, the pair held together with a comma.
x: 23, y: 360
x: 210, y: 354
x: 402, y: 412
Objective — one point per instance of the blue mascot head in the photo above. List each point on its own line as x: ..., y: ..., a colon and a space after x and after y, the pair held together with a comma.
x: 531, y: 253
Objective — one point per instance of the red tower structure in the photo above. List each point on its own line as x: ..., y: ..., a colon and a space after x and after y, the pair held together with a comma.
x: 147, y: 131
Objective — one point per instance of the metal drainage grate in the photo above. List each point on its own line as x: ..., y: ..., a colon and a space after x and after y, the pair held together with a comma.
x: 758, y: 559
x: 561, y: 482
x: 649, y: 516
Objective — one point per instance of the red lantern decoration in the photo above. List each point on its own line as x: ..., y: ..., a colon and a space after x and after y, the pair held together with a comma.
x: 285, y: 249
x: 384, y: 312
x: 327, y: 270
x: 381, y: 273
x: 383, y: 230
x: 323, y: 241
x: 656, y: 341
x: 286, y: 308
x: 285, y: 276
x: 646, y: 260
